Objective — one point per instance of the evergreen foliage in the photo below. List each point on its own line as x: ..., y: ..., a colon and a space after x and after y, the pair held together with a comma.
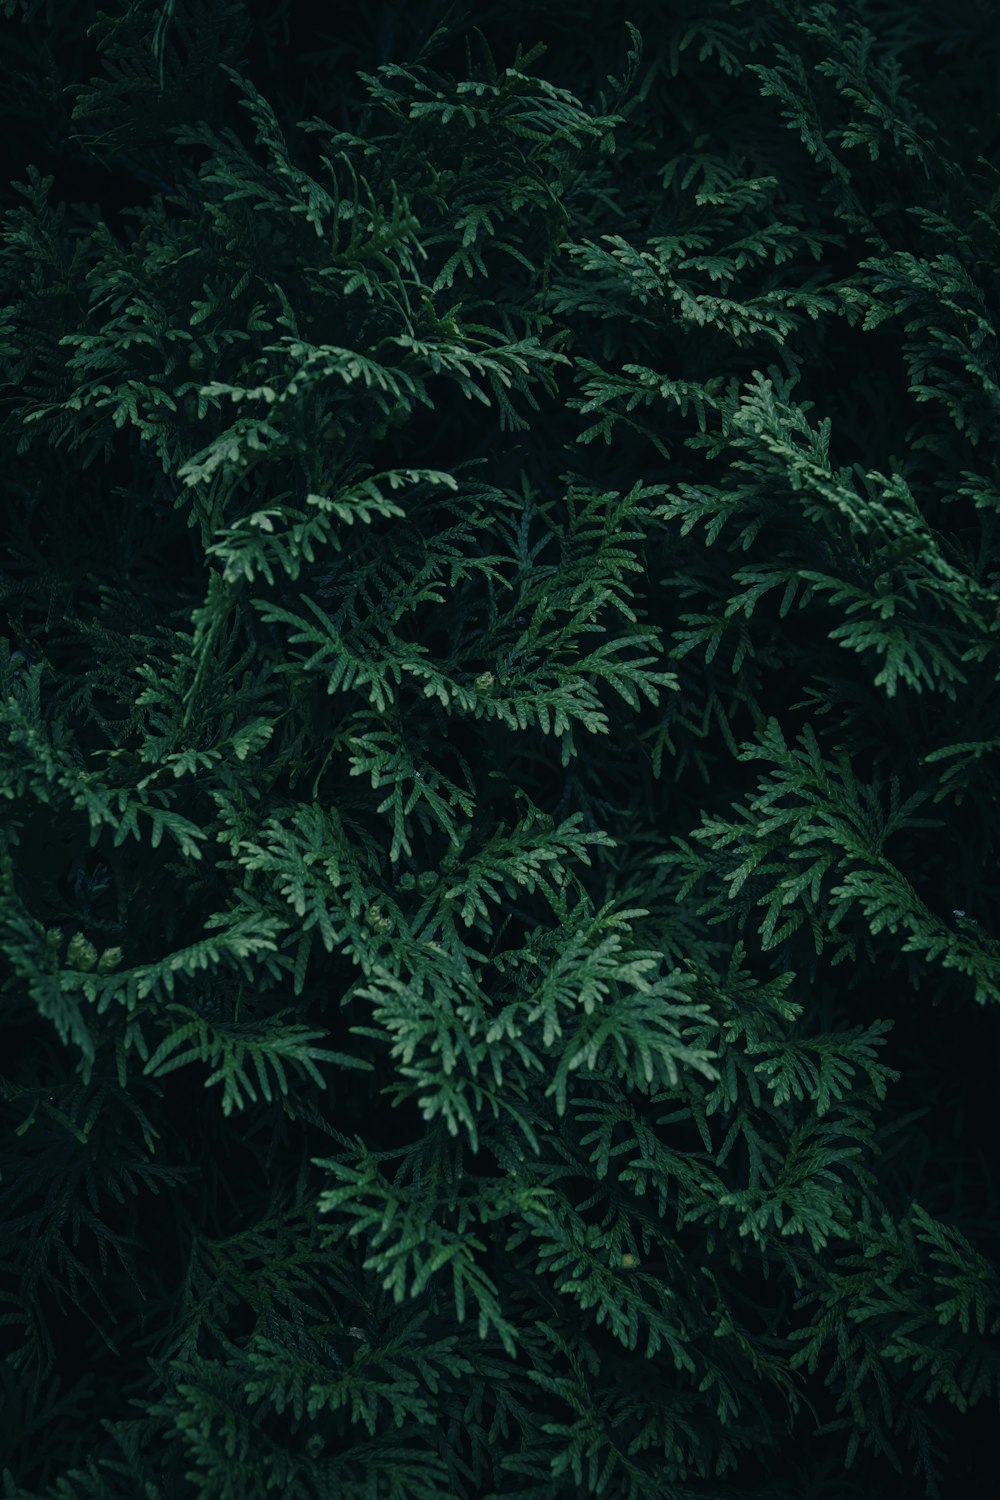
x: 499, y: 720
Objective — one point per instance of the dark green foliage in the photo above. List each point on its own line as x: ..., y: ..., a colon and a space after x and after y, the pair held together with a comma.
x: 499, y: 721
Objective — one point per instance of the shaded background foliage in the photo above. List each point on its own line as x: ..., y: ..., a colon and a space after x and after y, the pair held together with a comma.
x: 180, y: 1316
